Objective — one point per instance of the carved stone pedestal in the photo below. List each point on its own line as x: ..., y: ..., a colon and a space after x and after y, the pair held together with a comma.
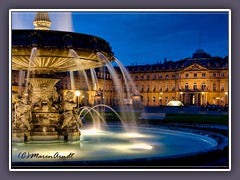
x: 71, y: 135
x: 20, y: 135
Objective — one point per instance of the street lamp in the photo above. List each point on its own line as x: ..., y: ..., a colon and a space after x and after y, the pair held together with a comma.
x: 160, y: 98
x: 226, y: 93
x: 203, y: 100
x: 181, y: 93
x: 77, y: 93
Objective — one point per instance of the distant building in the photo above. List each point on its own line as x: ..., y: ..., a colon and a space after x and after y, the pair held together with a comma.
x: 197, y: 81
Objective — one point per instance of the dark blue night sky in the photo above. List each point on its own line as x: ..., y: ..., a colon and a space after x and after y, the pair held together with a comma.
x: 148, y: 37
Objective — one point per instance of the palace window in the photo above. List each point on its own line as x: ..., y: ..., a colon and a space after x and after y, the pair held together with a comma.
x: 186, y: 87
x: 148, y: 88
x: 173, y: 76
x: 186, y: 75
x: 154, y: 88
x: 166, y: 100
x: 195, y: 86
x: 167, y: 76
x: 136, y: 77
x: 222, y: 74
x: 222, y: 87
x: 203, y: 74
x: 148, y: 76
x: 173, y: 87
x: 160, y: 89
x: 160, y: 76
x: 142, y: 77
x: 214, y: 87
x: 214, y: 75
x: 166, y: 87
x: 154, y: 99
x: 195, y: 75
x: 142, y: 88
x: 203, y: 86
x: 154, y: 76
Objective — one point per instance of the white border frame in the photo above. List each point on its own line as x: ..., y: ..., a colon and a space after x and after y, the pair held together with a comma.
x: 119, y: 10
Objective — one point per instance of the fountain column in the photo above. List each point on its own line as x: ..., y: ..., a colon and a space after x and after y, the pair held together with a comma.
x: 45, y: 103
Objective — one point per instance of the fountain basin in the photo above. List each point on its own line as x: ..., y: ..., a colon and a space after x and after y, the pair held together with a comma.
x: 150, y: 145
x: 53, y: 50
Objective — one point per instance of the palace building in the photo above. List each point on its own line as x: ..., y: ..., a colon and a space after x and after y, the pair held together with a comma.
x: 195, y: 81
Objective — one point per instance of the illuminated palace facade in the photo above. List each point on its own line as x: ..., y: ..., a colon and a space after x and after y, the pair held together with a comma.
x: 195, y: 81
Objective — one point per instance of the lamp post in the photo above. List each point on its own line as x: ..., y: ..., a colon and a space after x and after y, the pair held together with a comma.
x: 181, y: 93
x: 226, y: 94
x: 77, y: 93
x: 203, y: 101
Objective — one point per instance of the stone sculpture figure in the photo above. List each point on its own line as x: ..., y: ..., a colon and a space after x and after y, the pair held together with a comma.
x: 54, y: 99
x: 36, y: 102
x: 23, y: 113
x: 70, y: 114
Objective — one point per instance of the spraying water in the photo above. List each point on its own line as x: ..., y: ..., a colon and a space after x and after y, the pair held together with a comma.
x: 31, y: 65
x: 127, y: 112
x: 94, y: 79
x: 127, y: 78
x: 82, y: 74
x: 72, y: 79
x: 73, y: 54
x: 116, y: 81
x: 21, y: 79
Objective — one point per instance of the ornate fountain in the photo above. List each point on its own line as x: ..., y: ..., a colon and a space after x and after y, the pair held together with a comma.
x: 40, y: 113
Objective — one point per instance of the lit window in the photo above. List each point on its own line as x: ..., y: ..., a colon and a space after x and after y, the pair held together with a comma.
x: 195, y: 86
x: 154, y: 99
x: 148, y: 88
x: 154, y: 88
x: 154, y: 76
x: 222, y: 87
x: 214, y: 87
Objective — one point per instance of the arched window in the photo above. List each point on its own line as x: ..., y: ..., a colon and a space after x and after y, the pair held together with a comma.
x: 195, y: 86
x: 203, y: 86
x: 154, y: 88
x: 222, y: 87
x: 214, y: 87
x: 154, y: 77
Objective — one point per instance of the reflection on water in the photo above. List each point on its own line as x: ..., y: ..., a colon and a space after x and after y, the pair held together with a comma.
x: 113, y: 144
